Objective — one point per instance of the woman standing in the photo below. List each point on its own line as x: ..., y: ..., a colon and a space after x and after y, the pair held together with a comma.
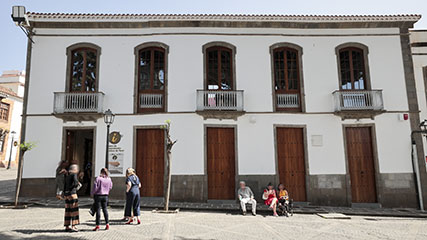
x: 270, y: 198
x: 71, y: 200
x: 132, y: 196
x: 100, y: 191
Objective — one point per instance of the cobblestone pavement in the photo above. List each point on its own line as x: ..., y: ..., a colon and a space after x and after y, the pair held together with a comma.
x: 46, y: 223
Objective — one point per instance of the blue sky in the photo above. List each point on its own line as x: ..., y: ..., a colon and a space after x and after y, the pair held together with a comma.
x: 13, y: 40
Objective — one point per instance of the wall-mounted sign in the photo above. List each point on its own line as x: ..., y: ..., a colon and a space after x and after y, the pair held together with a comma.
x: 114, y: 137
x: 115, y: 160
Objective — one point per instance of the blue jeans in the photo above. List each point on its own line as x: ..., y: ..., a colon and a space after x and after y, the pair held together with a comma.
x: 132, y: 203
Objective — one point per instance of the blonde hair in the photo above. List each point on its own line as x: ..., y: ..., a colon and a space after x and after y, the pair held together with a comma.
x: 130, y: 171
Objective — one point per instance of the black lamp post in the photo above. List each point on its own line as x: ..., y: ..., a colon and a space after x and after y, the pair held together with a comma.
x: 108, y: 119
x: 12, y: 134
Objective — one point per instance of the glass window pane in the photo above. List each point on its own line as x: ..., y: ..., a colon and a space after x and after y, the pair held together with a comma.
x: 76, y: 71
x: 212, y: 69
x: 358, y: 70
x: 279, y: 68
x: 226, y: 79
x: 90, y: 81
x: 159, y: 70
x: 144, y: 69
x: 292, y: 70
x: 345, y: 70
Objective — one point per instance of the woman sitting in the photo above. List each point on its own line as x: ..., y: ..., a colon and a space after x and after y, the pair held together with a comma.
x: 270, y: 198
x: 283, y: 199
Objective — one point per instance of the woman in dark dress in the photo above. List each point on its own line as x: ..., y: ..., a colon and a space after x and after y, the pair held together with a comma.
x: 132, y: 196
x: 71, y: 200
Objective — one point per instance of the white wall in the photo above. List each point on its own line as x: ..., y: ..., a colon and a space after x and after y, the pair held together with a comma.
x: 253, y: 75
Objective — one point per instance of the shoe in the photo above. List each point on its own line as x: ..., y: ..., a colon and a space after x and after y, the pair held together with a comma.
x: 107, y: 227
x: 139, y: 221
x: 244, y: 213
x: 96, y: 228
x: 74, y: 229
x: 130, y: 221
x: 253, y: 214
x: 275, y: 215
x: 68, y: 229
x: 91, y: 212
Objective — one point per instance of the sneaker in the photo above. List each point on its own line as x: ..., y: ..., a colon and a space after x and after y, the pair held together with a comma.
x: 244, y: 213
x: 253, y: 214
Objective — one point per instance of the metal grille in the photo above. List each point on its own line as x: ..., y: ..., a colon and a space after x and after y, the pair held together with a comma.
x: 287, y: 100
x: 150, y: 100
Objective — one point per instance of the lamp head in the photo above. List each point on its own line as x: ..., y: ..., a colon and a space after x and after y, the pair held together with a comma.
x: 109, y: 117
x: 18, y: 14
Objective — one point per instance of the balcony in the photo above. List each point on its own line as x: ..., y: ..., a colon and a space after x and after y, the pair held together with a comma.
x: 151, y: 102
x: 221, y: 104
x: 358, y: 103
x: 287, y: 101
x: 87, y: 105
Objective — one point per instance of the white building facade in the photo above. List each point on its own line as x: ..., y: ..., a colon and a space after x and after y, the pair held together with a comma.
x: 320, y: 103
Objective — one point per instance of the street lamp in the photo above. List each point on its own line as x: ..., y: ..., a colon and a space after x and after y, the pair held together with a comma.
x: 108, y: 119
x: 12, y: 134
x: 18, y: 14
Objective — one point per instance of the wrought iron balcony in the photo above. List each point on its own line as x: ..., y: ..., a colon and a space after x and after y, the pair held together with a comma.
x: 358, y: 103
x: 78, y: 102
x: 150, y: 101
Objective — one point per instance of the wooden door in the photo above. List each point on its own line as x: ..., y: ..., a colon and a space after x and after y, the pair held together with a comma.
x: 291, y: 161
x: 69, y: 147
x: 221, y: 163
x: 360, y: 159
x: 150, y: 161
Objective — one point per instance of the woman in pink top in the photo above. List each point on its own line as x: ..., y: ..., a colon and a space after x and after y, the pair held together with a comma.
x: 100, y: 191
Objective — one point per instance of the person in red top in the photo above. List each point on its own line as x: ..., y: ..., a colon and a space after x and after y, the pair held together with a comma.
x: 270, y: 198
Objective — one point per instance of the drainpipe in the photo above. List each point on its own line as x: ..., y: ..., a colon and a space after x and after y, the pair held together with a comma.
x: 417, y: 173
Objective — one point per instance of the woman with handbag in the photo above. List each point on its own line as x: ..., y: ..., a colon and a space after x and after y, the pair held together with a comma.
x: 71, y: 186
x: 132, y: 196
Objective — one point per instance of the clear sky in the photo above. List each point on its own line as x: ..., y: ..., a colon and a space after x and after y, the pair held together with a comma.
x: 13, y: 40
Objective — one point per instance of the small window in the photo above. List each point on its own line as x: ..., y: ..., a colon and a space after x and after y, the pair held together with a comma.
x: 352, y: 67
x: 219, y: 65
x: 2, y: 141
x: 4, y: 111
x: 83, y: 70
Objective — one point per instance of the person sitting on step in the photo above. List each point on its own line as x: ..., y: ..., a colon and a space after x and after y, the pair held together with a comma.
x: 246, y: 196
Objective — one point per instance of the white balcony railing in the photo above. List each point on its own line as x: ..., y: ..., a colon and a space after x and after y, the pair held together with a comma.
x: 150, y: 100
x: 287, y: 100
x: 219, y: 100
x: 358, y: 100
x: 81, y: 102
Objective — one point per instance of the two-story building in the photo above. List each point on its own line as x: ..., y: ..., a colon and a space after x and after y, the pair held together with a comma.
x: 323, y: 104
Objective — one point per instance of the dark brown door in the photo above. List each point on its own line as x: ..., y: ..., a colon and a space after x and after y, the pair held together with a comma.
x: 221, y: 163
x: 69, y: 148
x: 361, y: 164
x: 150, y: 161
x: 291, y: 161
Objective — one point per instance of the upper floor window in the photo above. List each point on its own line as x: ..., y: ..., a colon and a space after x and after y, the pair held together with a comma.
x: 151, y: 70
x: 4, y: 111
x: 352, y: 69
x: 286, y: 76
x: 219, y: 68
x: 83, y: 70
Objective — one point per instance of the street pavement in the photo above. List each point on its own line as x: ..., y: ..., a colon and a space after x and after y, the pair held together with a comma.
x: 46, y: 223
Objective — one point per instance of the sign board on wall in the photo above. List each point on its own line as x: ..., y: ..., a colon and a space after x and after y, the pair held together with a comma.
x: 115, y: 154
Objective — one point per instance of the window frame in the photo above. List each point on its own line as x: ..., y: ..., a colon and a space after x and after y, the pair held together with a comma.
x: 80, y: 46
x: 4, y: 109
x: 152, y: 46
x: 219, y: 46
x: 300, y: 91
x: 365, y: 51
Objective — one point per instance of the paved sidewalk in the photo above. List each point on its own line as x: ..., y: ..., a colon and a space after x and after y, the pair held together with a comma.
x: 7, y: 189
x: 46, y: 223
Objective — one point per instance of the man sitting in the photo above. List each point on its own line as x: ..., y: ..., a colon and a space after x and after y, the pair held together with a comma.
x: 246, y: 196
